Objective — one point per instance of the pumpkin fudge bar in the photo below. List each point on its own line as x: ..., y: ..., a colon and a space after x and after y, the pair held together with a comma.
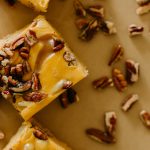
x: 38, y: 5
x: 36, y: 66
x: 31, y: 136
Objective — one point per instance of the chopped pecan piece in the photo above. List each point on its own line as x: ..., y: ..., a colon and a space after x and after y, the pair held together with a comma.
x: 135, y: 30
x: 40, y: 134
x: 12, y: 81
x: 26, y: 67
x: 5, y: 62
x: 19, y: 69
x: 119, y: 80
x: 96, y: 11
x: 110, y: 122
x: 6, y: 94
x: 7, y: 70
x: 17, y: 43
x: 2, y: 135
x: 69, y: 96
x: 21, y: 87
x: 143, y: 9
x: 31, y: 38
x: 36, y: 85
x: 145, y: 117
x: 4, y: 79
x: 129, y: 101
x: 132, y: 71
x: 79, y: 8
x: 24, y: 52
x: 142, y: 2
x: 90, y: 30
x: 70, y: 58
x: 67, y: 84
x: 56, y: 44
x: 82, y: 23
x: 102, y: 82
x: 116, y: 55
x: 108, y: 27
x: 34, y: 96
x: 7, y: 50
x: 100, y: 136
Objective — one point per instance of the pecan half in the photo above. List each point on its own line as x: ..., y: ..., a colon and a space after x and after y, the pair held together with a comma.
x: 36, y: 85
x: 68, y: 97
x: 116, y: 55
x: 119, y: 80
x: 110, y: 122
x: 81, y: 23
x: 40, y: 134
x: 102, y: 82
x: 21, y: 87
x: 145, y: 117
x: 79, y: 8
x: 24, y: 52
x: 100, y: 136
x: 34, y: 96
x: 18, y: 42
x: 132, y: 71
x: 90, y: 30
x: 96, y: 11
x: 135, y: 30
x: 2, y: 135
x: 31, y: 38
x: 129, y: 101
x: 70, y: 58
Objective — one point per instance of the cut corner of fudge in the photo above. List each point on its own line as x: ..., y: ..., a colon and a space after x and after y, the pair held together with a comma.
x: 36, y: 66
x: 37, y: 5
x: 32, y: 136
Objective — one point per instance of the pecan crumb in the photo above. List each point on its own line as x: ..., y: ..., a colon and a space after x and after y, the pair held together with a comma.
x: 102, y: 82
x: 116, y: 55
x: 100, y: 136
x: 129, y: 101
x: 119, y: 80
x: 135, y: 30
x: 145, y: 117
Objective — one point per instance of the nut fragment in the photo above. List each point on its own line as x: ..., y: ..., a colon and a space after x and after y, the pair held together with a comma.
x: 143, y: 9
x: 102, y: 82
x: 119, y: 80
x: 116, y: 55
x: 70, y: 58
x: 79, y: 8
x: 145, y: 117
x: 129, y: 101
x: 135, y: 30
x: 132, y: 71
x: 6, y: 94
x: 24, y: 52
x: 142, y: 2
x: 31, y: 38
x: 21, y: 87
x: 18, y: 42
x: 96, y: 11
x: 2, y: 135
x: 100, y: 136
x: 26, y: 67
x: 40, y: 134
x: 12, y: 81
x: 68, y: 97
x: 34, y: 96
x: 108, y: 27
x: 90, y: 30
x: 110, y: 122
x: 36, y: 85
x: 82, y: 23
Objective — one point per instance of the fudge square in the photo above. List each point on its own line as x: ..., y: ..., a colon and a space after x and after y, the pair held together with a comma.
x: 36, y: 66
x: 31, y: 136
